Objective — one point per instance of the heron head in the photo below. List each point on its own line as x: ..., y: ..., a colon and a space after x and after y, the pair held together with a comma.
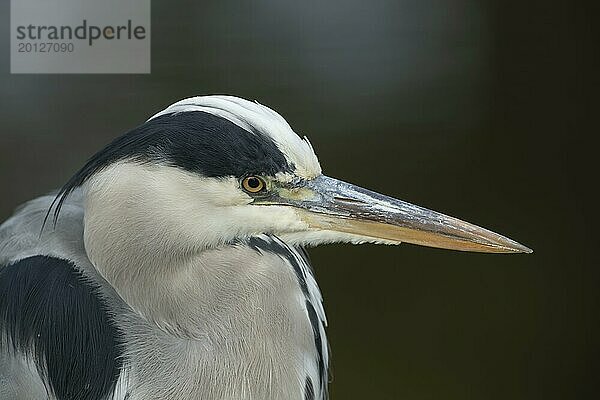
x: 218, y: 169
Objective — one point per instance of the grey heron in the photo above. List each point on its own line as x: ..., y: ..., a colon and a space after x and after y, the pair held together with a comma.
x: 173, y: 265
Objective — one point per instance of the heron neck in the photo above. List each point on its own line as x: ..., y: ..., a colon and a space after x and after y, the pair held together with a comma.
x: 198, y: 293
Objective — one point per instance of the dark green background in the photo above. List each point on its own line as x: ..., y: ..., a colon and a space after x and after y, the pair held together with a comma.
x: 480, y: 109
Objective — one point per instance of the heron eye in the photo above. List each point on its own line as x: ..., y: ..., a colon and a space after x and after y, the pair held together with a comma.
x: 253, y: 184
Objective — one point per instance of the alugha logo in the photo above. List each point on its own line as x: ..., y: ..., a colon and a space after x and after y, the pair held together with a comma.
x: 84, y: 31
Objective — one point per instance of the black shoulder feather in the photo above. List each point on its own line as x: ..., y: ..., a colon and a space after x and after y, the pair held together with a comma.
x: 51, y: 313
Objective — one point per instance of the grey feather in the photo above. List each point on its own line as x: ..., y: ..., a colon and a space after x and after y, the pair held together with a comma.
x: 266, y: 351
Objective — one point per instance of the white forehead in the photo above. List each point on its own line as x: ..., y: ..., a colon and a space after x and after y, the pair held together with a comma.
x: 253, y: 117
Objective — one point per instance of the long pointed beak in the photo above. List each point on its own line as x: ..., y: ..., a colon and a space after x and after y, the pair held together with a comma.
x: 334, y: 205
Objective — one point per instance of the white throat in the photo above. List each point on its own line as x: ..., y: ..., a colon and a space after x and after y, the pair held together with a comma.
x: 157, y: 234
x: 225, y: 307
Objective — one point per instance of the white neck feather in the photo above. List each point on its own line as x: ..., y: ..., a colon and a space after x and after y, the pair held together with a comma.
x: 161, y: 237
x: 158, y: 235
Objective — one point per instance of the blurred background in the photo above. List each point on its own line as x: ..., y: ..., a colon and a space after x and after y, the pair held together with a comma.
x: 479, y: 109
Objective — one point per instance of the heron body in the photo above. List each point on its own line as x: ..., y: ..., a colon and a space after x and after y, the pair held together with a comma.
x: 173, y: 264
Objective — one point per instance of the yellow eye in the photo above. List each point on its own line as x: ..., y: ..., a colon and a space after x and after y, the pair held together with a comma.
x: 253, y: 184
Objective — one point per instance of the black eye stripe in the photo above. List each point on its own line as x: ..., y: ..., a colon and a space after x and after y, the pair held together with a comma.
x: 195, y: 141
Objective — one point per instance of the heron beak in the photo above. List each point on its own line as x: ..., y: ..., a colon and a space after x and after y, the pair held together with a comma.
x: 330, y: 204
